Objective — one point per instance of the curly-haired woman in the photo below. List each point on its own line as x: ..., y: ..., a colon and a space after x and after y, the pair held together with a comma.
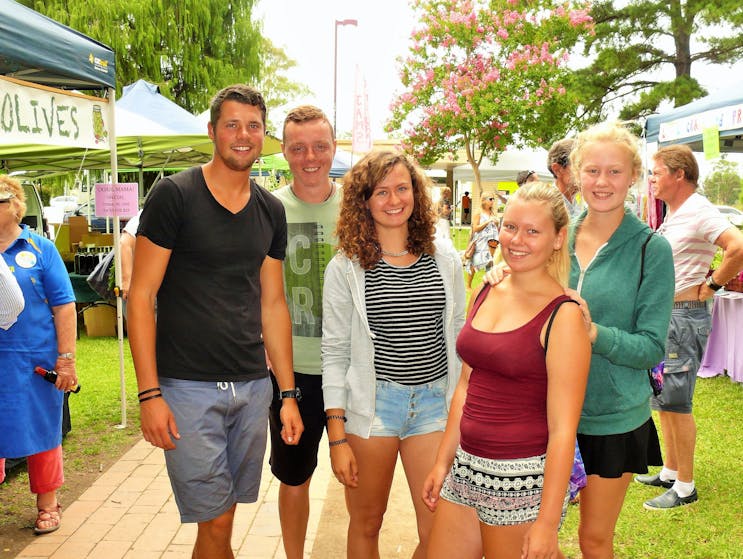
x: 393, y: 303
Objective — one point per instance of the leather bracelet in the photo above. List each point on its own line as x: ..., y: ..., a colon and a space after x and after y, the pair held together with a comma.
x: 339, y: 441
x: 339, y: 417
x: 157, y: 388
x: 150, y: 398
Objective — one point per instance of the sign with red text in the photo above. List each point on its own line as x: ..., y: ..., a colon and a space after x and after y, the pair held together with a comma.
x: 33, y: 114
x: 120, y: 199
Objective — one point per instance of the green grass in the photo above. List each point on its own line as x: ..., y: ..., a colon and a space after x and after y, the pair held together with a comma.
x: 711, y: 528
x: 96, y: 410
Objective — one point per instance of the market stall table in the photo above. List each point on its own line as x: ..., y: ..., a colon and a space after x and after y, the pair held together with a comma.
x: 724, y: 352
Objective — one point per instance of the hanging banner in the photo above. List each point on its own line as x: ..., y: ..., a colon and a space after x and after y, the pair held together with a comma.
x: 711, y: 142
x: 34, y: 114
x: 362, y: 139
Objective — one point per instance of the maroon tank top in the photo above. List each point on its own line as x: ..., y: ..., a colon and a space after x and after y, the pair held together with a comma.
x: 505, y: 412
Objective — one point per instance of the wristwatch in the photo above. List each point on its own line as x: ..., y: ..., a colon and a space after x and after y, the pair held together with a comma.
x: 66, y: 356
x: 293, y: 393
x: 711, y: 283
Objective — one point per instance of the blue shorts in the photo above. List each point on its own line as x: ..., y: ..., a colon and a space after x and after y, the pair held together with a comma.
x: 687, y: 338
x: 217, y: 462
x: 403, y: 411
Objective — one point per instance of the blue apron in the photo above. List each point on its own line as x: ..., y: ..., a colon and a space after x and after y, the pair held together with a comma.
x: 30, y: 407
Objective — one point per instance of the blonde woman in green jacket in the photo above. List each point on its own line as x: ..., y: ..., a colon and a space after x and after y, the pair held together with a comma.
x: 626, y: 301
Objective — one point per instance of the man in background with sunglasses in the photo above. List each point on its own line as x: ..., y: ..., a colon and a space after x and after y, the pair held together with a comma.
x: 526, y: 176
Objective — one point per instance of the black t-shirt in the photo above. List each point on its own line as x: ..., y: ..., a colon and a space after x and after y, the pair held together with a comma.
x: 208, y: 306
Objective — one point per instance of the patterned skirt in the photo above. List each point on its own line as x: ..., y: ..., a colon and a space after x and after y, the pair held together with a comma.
x: 502, y: 492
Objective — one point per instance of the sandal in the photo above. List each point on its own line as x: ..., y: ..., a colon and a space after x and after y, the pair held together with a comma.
x: 48, y: 520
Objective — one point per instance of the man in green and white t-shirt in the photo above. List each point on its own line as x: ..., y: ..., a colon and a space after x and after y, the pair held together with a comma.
x: 312, y: 203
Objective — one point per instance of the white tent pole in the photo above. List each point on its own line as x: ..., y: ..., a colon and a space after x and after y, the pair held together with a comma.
x: 117, y: 256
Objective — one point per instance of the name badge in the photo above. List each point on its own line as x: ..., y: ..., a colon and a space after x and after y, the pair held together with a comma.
x: 25, y: 259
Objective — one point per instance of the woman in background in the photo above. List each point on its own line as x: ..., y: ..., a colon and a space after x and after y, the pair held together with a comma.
x: 484, y: 234
x: 44, y: 335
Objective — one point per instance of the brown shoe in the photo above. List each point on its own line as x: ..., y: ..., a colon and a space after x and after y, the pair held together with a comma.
x: 48, y: 520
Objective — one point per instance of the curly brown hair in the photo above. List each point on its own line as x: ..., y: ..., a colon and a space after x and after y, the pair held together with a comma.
x: 357, y: 236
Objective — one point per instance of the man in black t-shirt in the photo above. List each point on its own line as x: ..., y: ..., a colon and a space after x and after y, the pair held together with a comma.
x: 210, y: 247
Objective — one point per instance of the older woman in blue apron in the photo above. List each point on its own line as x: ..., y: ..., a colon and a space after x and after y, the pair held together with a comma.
x: 43, y: 336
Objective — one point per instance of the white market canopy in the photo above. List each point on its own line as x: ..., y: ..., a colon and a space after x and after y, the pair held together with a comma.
x: 685, y: 124
x: 507, y: 167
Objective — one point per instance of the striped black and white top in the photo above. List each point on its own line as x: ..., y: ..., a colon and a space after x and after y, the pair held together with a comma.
x: 405, y: 309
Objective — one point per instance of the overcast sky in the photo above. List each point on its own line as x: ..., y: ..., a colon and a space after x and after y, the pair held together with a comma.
x: 306, y: 32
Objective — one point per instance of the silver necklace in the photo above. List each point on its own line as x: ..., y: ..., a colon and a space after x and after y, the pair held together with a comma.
x: 332, y: 189
x: 401, y: 253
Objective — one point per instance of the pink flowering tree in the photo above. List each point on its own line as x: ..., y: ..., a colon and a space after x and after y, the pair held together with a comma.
x: 484, y: 75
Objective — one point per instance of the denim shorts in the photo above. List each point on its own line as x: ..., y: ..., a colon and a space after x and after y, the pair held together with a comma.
x: 217, y: 462
x: 687, y: 338
x: 403, y: 411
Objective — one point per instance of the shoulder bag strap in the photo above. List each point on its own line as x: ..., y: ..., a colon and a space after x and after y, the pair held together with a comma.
x: 642, y: 258
x: 552, y: 318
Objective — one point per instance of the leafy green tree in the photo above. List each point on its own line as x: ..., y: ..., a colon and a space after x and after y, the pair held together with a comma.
x: 723, y: 186
x: 642, y: 53
x: 483, y: 75
x: 190, y: 48
x: 278, y: 90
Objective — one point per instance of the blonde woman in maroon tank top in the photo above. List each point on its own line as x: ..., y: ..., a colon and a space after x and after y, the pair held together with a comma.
x: 508, y: 449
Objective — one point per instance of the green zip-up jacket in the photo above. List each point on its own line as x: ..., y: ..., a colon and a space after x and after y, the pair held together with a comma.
x: 631, y: 318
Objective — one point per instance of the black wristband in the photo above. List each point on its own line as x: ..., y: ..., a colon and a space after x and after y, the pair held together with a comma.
x: 712, y: 284
x: 157, y: 388
x: 339, y: 441
x: 150, y: 398
x: 338, y: 417
x: 295, y: 393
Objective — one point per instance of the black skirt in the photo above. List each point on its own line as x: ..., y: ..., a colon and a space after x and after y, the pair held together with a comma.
x: 611, y: 456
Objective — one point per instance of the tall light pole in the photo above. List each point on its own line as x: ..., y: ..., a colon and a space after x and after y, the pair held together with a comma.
x: 335, y: 67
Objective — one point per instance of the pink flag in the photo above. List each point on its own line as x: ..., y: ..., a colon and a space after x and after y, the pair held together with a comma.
x: 362, y: 140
